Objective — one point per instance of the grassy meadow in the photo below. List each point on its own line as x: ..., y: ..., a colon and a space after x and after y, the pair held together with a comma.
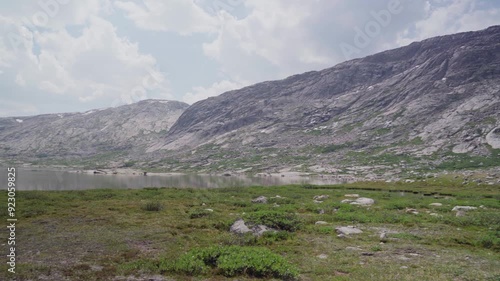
x: 183, y: 234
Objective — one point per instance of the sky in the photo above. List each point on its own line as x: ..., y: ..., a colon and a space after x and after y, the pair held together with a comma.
x: 72, y: 55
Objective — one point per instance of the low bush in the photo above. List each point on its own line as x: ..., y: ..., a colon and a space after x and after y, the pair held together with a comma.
x: 275, y: 219
x: 235, y: 260
x: 152, y: 206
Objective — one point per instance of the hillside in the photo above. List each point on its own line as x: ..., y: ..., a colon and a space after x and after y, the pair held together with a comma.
x: 96, y: 133
x: 437, y: 101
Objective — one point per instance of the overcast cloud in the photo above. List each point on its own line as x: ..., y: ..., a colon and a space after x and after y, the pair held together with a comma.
x: 69, y: 55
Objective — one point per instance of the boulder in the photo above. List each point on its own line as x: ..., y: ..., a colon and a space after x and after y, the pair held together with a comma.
x: 322, y: 256
x: 463, y: 208
x: 239, y: 227
x: 347, y: 230
x: 363, y: 201
x: 411, y: 211
x: 321, y: 197
x: 260, y: 199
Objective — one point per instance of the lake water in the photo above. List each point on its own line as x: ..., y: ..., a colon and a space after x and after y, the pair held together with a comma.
x: 29, y: 179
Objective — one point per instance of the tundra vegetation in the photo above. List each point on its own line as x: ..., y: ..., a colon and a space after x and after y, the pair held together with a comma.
x: 409, y: 233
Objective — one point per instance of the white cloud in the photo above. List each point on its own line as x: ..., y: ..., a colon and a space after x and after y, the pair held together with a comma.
x: 181, y: 16
x: 274, y: 32
x: 98, y: 64
x: 450, y: 16
x: 217, y: 88
x: 20, y: 80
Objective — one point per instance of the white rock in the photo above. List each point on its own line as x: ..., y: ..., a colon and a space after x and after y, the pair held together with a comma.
x: 363, y: 201
x: 346, y: 201
x: 352, y: 195
x: 346, y: 230
x: 260, y: 199
x: 322, y: 256
x: 239, y: 227
x: 463, y: 208
x: 436, y: 204
x: 321, y: 223
x: 321, y: 197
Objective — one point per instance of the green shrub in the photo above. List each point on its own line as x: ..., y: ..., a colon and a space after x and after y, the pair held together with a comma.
x: 270, y: 237
x: 152, y: 206
x: 490, y: 241
x: 275, y: 219
x: 235, y: 260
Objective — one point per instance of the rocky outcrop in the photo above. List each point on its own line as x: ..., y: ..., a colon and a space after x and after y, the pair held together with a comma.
x: 125, y: 129
x: 433, y: 96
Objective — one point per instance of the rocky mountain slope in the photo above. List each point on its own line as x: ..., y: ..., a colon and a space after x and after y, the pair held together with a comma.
x: 121, y: 130
x: 433, y: 101
x: 431, y: 105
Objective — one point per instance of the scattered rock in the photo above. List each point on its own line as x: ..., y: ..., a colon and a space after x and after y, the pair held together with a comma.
x: 352, y: 195
x: 404, y: 267
x: 363, y: 201
x: 321, y: 197
x: 321, y: 223
x: 321, y: 211
x: 322, y: 256
x: 460, y: 213
x: 318, y: 202
x: 239, y: 227
x: 346, y: 230
x: 463, y: 208
x: 260, y: 199
x: 411, y: 211
x: 383, y: 237
x: 434, y: 215
x: 349, y: 248
x: 346, y: 201
x: 436, y: 204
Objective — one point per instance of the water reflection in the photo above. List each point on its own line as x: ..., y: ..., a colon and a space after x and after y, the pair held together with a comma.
x: 27, y: 179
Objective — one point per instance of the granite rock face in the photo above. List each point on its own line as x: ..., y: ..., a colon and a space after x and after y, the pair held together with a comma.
x: 126, y: 128
x: 440, y: 93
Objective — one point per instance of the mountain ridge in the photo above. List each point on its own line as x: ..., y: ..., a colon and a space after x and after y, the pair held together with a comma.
x: 435, y: 102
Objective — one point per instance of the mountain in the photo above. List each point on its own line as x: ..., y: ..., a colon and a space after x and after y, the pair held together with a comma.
x: 113, y: 131
x: 431, y: 105
x: 435, y: 102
